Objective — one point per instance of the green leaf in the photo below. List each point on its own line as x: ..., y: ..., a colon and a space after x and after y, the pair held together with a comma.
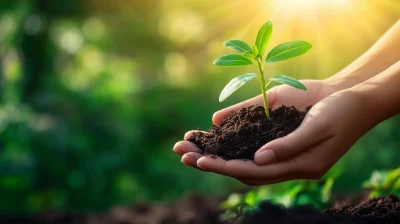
x: 249, y: 55
x: 326, y: 190
x: 238, y: 45
x: 288, y: 81
x: 263, y: 37
x: 232, y: 60
x: 235, y: 84
x: 288, y: 50
x: 255, y: 50
x: 391, y: 177
x: 232, y: 201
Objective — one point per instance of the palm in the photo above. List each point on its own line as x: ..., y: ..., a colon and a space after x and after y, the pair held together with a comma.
x: 284, y: 94
x: 287, y: 95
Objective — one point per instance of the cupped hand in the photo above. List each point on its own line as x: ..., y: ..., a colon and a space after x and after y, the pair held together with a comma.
x: 330, y: 128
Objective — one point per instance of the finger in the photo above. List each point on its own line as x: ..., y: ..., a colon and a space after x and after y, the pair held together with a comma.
x: 298, y: 167
x: 242, y: 169
x: 258, y: 100
x: 183, y: 147
x: 313, y: 131
x: 190, y: 134
x: 257, y: 182
x: 190, y: 159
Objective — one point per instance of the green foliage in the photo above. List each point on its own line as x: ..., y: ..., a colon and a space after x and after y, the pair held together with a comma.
x: 238, y: 45
x: 281, y: 52
x: 249, y: 55
x: 235, y: 84
x: 263, y: 37
x: 288, y: 50
x: 232, y: 60
x: 288, y: 81
x: 293, y: 194
x: 384, y: 182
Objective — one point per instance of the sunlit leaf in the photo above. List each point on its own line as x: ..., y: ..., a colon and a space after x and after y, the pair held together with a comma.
x: 376, y: 180
x: 263, y: 37
x: 288, y: 50
x: 391, y: 177
x: 326, y: 190
x: 235, y: 84
x: 232, y: 60
x: 250, y: 198
x: 255, y: 50
x: 249, y: 55
x: 288, y: 81
x: 238, y: 45
x: 377, y: 193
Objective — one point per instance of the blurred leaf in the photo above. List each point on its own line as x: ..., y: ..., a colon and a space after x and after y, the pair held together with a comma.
x: 376, y: 180
x: 391, y: 178
x: 232, y: 201
x: 288, y: 81
x: 396, y: 185
x: 327, y: 189
x: 250, y: 198
x: 232, y: 60
x: 377, y: 193
x: 289, y: 197
x: 288, y: 50
x: 263, y: 37
x: 238, y: 45
x: 235, y: 84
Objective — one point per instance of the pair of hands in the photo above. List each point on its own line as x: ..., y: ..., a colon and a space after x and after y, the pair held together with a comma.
x: 330, y: 128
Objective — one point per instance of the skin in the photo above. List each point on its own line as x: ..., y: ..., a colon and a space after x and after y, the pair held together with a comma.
x: 346, y: 106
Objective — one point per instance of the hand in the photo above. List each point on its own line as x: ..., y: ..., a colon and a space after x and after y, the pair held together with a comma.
x: 284, y: 94
x: 330, y: 128
x: 316, y: 90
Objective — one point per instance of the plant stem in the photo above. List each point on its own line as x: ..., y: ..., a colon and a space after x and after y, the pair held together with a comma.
x: 263, y: 88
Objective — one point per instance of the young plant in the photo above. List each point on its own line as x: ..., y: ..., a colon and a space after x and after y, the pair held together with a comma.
x: 383, y: 182
x: 255, y: 55
x: 290, y: 195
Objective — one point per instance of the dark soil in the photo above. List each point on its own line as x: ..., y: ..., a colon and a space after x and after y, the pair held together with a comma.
x: 192, y: 209
x: 371, y: 211
x: 376, y: 210
x: 195, y: 209
x: 245, y: 131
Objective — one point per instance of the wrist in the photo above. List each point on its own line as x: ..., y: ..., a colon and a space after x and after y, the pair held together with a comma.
x: 378, y: 98
x: 364, y: 68
x: 351, y: 75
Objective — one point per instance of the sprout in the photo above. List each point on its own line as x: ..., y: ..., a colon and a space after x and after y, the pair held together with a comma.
x: 248, y: 55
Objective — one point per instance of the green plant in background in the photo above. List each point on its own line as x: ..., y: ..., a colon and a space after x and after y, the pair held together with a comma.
x: 293, y: 194
x: 250, y: 55
x: 384, y: 182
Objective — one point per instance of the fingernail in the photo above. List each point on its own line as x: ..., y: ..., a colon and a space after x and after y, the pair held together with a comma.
x: 265, y: 157
x: 190, y: 159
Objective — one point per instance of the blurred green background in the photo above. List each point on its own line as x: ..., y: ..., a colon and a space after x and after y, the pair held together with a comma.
x: 94, y: 93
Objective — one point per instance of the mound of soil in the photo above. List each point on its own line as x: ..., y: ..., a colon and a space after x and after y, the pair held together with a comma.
x: 371, y: 211
x: 375, y: 210
x: 245, y: 131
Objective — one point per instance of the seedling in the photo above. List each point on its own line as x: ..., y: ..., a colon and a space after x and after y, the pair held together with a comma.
x: 256, y: 54
x: 292, y: 194
x: 384, y: 182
